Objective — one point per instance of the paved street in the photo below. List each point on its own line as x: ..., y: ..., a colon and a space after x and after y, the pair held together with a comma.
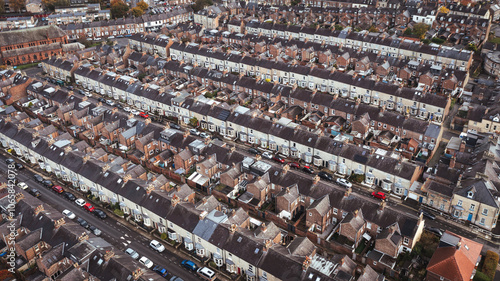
x: 116, y: 233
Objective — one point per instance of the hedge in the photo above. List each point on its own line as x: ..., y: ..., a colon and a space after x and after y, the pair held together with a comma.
x: 481, y: 277
x: 490, y: 264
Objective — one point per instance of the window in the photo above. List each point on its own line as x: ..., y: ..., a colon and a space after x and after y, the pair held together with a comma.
x: 485, y: 212
x: 310, y: 214
x: 472, y: 207
x: 483, y: 220
x: 459, y: 203
x: 406, y: 240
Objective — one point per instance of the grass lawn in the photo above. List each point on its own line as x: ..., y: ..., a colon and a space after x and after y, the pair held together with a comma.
x: 494, y: 39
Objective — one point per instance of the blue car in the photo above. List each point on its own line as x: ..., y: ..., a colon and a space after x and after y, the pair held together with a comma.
x: 160, y: 270
x: 189, y: 265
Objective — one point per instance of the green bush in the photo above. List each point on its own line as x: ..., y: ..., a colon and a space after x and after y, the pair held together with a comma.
x: 490, y: 264
x: 426, y: 41
x: 437, y: 40
x: 163, y: 236
x: 118, y: 212
x: 481, y: 276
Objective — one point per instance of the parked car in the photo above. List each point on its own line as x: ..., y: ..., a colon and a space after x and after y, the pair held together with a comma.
x: 126, y: 109
x: 160, y: 270
x: 435, y: 230
x: 95, y: 230
x: 69, y: 214
x: 87, y: 94
x: 100, y: 214
x: 344, y: 182
x: 110, y: 102
x: 9, y: 161
x: 294, y: 165
x: 325, y: 176
x: 22, y: 185
x: 279, y: 159
x: 379, y: 195
x: 175, y: 126
x: 428, y: 215
x: 189, y: 265
x: 83, y: 222
x: 308, y: 170
x: 80, y: 202
x: 19, y: 166
x: 146, y: 262
x: 89, y: 207
x: 69, y: 196
x: 206, y: 273
x: 204, y: 135
x: 143, y: 115
x: 35, y: 192
x: 157, y: 246
x: 38, y: 178
x: 48, y: 183
x: 135, y: 112
x: 58, y: 189
x: 132, y: 253
x: 194, y: 132
x: 253, y: 151
x: 267, y: 155
x: 119, y: 106
x: 101, y: 100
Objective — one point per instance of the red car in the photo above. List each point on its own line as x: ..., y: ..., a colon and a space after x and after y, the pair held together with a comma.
x: 88, y: 207
x: 379, y: 195
x: 58, y: 189
x: 279, y: 159
x: 143, y: 115
x: 294, y: 165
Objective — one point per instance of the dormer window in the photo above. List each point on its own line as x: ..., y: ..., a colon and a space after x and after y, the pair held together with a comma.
x: 470, y: 194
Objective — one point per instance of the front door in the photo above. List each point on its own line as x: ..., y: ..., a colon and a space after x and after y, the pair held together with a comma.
x: 469, y: 218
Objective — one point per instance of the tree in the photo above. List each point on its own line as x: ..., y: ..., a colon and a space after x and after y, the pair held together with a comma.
x: 51, y: 4
x: 200, y: 4
x: 137, y: 12
x: 2, y: 6
x: 373, y: 29
x: 420, y: 29
x: 17, y: 5
x: 142, y: 5
x: 444, y: 10
x: 83, y: 40
x: 193, y: 122
x: 118, y: 8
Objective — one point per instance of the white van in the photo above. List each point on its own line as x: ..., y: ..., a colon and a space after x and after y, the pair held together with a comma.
x: 206, y: 273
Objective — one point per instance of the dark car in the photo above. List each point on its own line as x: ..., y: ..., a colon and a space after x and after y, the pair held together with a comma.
x: 254, y: 151
x: 69, y: 196
x: 100, y: 214
x: 83, y: 222
x: 160, y: 270
x: 294, y: 165
x: 279, y: 159
x: 175, y: 126
x: 308, y: 170
x: 38, y: 178
x: 428, y: 215
x: 101, y: 100
x: 325, y: 176
x: 119, y: 106
x: 9, y: 161
x: 81, y: 92
x: 435, y: 230
x: 34, y: 192
x: 48, y: 183
x: 19, y: 166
